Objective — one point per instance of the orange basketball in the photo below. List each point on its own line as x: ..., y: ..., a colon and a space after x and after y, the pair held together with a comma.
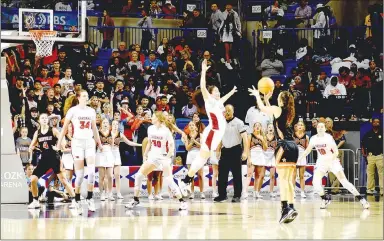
x: 265, y: 85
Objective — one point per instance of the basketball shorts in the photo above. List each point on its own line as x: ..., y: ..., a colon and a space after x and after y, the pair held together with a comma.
x: 324, y: 165
x: 83, y: 148
x: 290, y: 152
x: 49, y: 159
x: 159, y: 161
x: 67, y: 160
x: 211, y: 139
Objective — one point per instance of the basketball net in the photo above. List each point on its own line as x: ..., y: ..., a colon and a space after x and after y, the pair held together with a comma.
x: 44, y: 40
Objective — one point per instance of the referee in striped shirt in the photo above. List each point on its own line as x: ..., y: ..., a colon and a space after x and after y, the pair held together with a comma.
x: 232, y: 154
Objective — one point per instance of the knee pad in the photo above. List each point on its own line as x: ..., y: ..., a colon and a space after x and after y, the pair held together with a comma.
x: 138, y: 180
x: 79, y: 177
x: 91, y: 173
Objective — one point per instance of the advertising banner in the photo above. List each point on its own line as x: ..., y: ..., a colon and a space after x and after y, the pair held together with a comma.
x: 127, y: 176
x: 62, y: 21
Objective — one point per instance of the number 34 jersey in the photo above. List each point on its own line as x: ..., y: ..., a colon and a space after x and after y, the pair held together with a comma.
x: 325, y: 146
x: 159, y: 138
x: 81, y: 119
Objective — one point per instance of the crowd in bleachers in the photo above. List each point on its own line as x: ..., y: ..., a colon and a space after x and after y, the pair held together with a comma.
x: 166, y: 79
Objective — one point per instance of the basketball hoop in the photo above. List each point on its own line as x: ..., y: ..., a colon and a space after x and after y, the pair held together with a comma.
x: 44, y: 40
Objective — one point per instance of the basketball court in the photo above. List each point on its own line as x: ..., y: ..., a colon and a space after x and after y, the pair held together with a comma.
x: 204, y: 219
x: 251, y: 219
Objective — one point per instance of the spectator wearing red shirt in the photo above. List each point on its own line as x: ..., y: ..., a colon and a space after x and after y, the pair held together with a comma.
x: 44, y: 79
x: 127, y: 119
x: 344, y: 77
x: 163, y: 106
x: 362, y: 79
x: 55, y: 75
x: 129, y: 8
x: 169, y: 10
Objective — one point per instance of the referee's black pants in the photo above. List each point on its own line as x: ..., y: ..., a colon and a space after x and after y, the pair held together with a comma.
x: 230, y: 160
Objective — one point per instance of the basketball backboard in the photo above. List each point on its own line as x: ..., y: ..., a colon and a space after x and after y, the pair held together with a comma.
x: 67, y: 17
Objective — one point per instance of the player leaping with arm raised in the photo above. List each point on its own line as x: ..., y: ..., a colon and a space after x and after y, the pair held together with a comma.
x: 214, y: 132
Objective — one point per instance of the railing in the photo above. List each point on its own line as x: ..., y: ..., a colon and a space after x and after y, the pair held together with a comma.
x: 93, y: 13
x: 362, y: 168
x: 133, y: 35
x: 289, y: 38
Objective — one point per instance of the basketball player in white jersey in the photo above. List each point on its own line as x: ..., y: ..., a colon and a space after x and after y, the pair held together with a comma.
x: 85, y: 134
x: 159, y: 151
x: 214, y: 132
x: 327, y: 161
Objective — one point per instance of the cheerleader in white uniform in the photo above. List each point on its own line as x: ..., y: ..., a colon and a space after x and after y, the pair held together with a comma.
x: 301, y: 140
x: 117, y: 137
x: 192, y: 145
x: 269, y: 156
x: 257, y: 145
x: 67, y: 157
x: 105, y: 162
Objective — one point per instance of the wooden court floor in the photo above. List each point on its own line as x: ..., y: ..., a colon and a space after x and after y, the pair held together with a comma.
x: 250, y: 219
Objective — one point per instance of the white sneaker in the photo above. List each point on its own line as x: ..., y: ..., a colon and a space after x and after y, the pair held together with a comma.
x: 228, y: 65
x: 324, y: 203
x: 257, y: 195
x: 79, y: 209
x: 244, y: 195
x: 215, y: 194
x: 132, y: 204
x: 365, y: 203
x: 73, y: 204
x: 34, y: 205
x: 192, y: 196
x: 303, y: 195
x: 235, y: 61
x: 184, y: 188
x: 119, y: 196
x: 183, y: 206
x: 202, y: 196
x: 102, y: 196
x: 111, y: 198
x: 273, y: 195
x: 158, y: 197
x: 91, y: 205
x: 150, y: 197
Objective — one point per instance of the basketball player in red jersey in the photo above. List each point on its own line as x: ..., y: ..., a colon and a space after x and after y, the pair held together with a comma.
x: 212, y: 135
